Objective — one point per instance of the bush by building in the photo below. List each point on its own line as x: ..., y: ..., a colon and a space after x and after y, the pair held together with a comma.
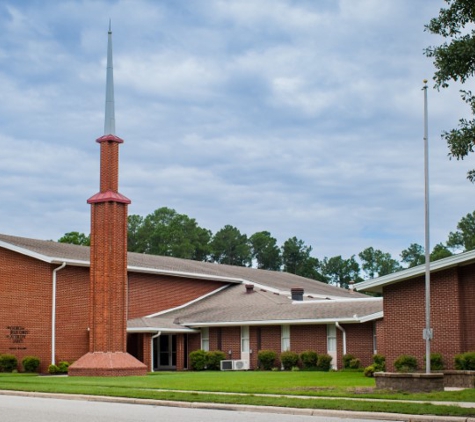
x: 30, y: 363
x: 406, y: 363
x: 266, y: 359
x: 309, y: 359
x: 289, y: 360
x: 8, y: 363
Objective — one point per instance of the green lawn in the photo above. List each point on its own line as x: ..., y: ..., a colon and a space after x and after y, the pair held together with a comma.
x: 200, y: 386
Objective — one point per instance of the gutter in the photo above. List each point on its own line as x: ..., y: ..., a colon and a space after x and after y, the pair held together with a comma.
x: 344, y: 336
x: 53, y: 314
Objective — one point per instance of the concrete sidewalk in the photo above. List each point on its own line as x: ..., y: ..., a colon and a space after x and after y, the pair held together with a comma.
x: 265, y: 409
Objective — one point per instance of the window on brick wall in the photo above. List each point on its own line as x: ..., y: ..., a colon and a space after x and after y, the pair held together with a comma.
x: 205, y: 339
x: 331, y: 338
x: 245, y: 339
x: 375, y: 339
x: 285, y: 338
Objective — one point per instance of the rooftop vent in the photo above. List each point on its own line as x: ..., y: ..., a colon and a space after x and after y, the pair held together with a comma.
x: 249, y: 288
x: 297, y: 293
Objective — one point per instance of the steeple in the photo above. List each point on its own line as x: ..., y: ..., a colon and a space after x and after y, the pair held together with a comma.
x: 109, y: 123
x: 108, y: 260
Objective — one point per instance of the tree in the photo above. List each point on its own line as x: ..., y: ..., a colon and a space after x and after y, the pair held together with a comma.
x: 376, y: 263
x: 440, y: 251
x: 413, y: 255
x: 135, y: 243
x: 455, y: 61
x: 230, y: 247
x: 265, y: 251
x: 296, y: 259
x: 340, y: 272
x: 165, y: 232
x: 75, y: 238
x: 464, y: 237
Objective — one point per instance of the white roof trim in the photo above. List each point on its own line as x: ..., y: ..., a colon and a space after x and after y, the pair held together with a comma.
x: 376, y: 284
x: 26, y: 252
x: 340, y: 300
x: 372, y: 317
x: 348, y: 320
x: 166, y: 311
x: 154, y: 330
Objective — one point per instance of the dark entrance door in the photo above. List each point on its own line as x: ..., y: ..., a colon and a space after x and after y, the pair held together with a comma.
x: 164, y: 348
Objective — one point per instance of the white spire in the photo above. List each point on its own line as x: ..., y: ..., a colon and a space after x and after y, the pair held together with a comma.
x: 109, y: 124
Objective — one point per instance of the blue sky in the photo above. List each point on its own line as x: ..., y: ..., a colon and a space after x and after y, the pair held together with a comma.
x: 302, y: 118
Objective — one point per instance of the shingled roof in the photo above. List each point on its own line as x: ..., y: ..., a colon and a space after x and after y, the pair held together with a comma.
x: 277, y: 281
x: 234, y: 306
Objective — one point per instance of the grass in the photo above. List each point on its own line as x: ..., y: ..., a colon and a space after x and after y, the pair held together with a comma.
x: 342, y: 387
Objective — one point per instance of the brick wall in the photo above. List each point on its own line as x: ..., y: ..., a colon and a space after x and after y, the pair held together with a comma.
x: 359, y: 342
x: 25, y: 289
x: 150, y: 293
x: 72, y: 313
x: 404, y: 318
x: 467, y: 299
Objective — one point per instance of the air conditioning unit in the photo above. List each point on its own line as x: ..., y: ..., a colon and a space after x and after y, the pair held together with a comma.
x: 234, y: 365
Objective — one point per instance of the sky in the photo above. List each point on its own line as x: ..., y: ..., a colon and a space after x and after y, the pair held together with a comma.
x: 302, y: 118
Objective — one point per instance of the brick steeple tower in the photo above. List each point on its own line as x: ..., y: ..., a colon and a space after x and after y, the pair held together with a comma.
x: 108, y: 272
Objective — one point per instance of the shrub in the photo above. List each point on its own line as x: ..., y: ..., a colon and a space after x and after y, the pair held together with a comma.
x: 295, y: 369
x: 30, y: 363
x: 347, y: 359
x: 53, y: 369
x: 436, y: 362
x: 198, y: 360
x: 378, y: 365
x: 370, y: 370
x: 309, y: 359
x: 324, y: 362
x: 213, y: 360
x: 405, y: 363
x: 266, y: 359
x: 465, y: 361
x: 8, y: 363
x: 380, y: 361
x: 289, y: 359
x: 63, y: 367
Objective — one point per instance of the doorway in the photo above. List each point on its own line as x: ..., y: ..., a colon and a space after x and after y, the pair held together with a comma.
x: 164, y: 352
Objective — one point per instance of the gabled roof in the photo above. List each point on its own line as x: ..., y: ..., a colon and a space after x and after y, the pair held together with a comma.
x: 57, y: 253
x: 233, y: 306
x: 377, y: 284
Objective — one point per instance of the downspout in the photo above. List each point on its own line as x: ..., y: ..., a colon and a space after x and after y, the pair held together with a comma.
x: 53, y: 315
x: 344, y: 336
x: 159, y: 333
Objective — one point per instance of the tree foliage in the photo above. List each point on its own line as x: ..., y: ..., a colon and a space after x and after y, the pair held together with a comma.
x: 75, y: 238
x: 340, y: 272
x: 464, y: 237
x: 168, y: 233
x: 229, y: 246
x: 376, y: 263
x: 455, y: 61
x: 414, y: 255
x: 265, y: 251
x: 296, y: 259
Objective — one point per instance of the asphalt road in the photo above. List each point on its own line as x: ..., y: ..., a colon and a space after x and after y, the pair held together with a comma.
x: 23, y: 409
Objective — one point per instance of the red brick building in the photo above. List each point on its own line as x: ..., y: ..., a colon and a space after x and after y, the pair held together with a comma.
x: 175, y: 306
x: 452, y: 309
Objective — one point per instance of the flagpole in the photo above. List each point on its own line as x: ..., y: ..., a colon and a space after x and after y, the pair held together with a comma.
x: 427, y: 334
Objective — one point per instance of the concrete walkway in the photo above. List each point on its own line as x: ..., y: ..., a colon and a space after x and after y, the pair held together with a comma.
x: 268, y: 409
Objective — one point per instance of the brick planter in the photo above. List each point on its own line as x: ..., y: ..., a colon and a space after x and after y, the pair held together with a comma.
x: 462, y: 379
x: 411, y: 382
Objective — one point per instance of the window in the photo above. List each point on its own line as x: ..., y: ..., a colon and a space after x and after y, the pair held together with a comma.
x: 285, y: 344
x: 205, y: 339
x: 245, y: 339
x: 331, y: 338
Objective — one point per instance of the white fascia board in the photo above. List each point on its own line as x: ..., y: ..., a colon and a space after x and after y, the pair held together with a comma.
x: 341, y: 300
x: 372, y: 317
x: 154, y: 330
x: 41, y: 257
x: 376, y: 284
x: 185, y: 274
x: 350, y: 320
x: 166, y: 311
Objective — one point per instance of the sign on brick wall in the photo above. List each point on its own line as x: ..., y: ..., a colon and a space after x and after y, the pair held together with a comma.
x: 17, y: 336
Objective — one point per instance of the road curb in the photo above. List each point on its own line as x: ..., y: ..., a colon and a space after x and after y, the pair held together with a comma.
x: 244, y: 407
